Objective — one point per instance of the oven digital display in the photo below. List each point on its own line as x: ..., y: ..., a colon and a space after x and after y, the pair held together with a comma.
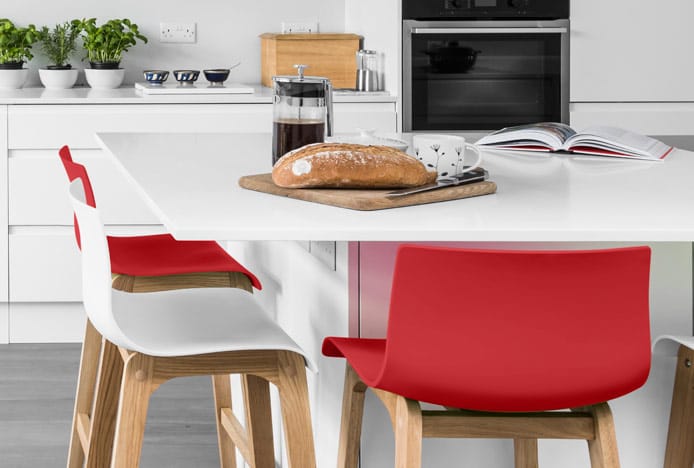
x: 484, y: 3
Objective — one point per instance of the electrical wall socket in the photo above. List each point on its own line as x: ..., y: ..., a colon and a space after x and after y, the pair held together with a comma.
x: 182, y: 33
x: 325, y: 252
x: 299, y: 27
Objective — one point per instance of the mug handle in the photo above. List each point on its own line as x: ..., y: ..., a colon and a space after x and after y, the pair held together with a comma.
x: 477, y: 163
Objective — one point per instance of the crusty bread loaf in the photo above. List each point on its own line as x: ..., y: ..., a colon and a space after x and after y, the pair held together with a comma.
x: 343, y: 165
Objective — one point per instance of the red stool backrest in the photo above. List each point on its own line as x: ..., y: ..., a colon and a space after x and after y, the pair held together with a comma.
x: 518, y: 330
x: 75, y: 170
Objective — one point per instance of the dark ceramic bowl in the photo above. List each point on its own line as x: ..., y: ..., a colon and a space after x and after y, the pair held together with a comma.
x: 186, y: 77
x: 156, y: 77
x: 216, y: 76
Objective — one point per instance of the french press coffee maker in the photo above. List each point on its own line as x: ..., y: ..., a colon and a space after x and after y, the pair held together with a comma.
x: 302, y: 111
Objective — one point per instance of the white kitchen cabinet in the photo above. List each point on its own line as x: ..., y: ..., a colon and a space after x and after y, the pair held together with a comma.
x: 52, y: 126
x: 36, y: 176
x: 4, y: 330
x: 631, y: 65
x: 626, y: 51
x: 43, y: 264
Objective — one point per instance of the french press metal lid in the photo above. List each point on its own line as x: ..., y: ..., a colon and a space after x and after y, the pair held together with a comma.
x: 305, y: 91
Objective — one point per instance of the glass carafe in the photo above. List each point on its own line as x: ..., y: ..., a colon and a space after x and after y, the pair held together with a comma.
x: 302, y: 112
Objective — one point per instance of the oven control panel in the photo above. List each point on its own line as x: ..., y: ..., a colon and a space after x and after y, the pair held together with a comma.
x: 483, y: 4
x: 485, y: 9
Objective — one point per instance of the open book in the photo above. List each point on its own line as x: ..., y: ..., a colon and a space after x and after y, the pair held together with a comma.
x: 597, y: 140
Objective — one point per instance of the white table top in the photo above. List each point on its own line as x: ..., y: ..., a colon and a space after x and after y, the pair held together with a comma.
x: 190, y: 180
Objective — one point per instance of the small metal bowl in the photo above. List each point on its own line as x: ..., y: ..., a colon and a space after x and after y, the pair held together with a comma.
x: 156, y: 77
x: 216, y: 76
x: 186, y: 77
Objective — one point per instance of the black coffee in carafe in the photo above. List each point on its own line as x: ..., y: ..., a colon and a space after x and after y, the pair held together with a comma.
x: 302, y: 112
x: 291, y: 134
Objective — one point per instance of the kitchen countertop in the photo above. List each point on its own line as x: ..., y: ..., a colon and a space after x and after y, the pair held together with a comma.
x: 190, y: 181
x: 128, y: 95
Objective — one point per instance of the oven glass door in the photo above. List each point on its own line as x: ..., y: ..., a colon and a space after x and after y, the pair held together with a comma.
x: 484, y: 80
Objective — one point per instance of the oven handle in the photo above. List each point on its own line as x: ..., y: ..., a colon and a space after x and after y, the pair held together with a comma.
x: 489, y: 30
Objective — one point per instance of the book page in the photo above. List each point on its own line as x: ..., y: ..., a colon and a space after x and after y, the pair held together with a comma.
x: 550, y: 134
x: 617, y: 140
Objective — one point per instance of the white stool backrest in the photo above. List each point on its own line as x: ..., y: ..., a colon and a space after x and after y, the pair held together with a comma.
x: 668, y: 345
x: 96, y: 268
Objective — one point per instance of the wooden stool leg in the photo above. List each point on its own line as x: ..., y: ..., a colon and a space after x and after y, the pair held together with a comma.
x: 86, y: 381
x: 256, y: 394
x: 408, y: 433
x: 525, y: 452
x: 136, y: 388
x: 296, y: 414
x: 603, y: 449
x: 352, y: 414
x: 221, y: 386
x: 103, y: 420
x: 679, y: 452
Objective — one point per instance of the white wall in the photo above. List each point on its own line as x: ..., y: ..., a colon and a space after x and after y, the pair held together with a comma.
x: 227, y: 29
x: 379, y: 23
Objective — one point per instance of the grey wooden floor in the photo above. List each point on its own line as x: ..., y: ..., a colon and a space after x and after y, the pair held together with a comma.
x: 37, y: 387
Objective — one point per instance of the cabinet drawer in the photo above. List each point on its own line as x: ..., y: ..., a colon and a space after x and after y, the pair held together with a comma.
x: 44, y: 267
x: 38, y: 190
x: 50, y: 127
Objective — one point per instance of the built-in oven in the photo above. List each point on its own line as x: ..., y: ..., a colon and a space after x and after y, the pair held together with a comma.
x: 484, y: 64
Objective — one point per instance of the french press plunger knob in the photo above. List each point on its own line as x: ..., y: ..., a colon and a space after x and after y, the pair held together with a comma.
x: 301, y: 68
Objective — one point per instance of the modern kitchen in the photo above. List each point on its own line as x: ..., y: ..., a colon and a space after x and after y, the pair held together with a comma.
x: 183, y: 142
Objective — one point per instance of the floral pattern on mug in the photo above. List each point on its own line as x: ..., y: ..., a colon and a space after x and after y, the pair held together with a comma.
x: 443, y: 153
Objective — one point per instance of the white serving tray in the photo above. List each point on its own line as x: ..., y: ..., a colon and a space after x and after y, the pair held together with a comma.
x: 197, y: 88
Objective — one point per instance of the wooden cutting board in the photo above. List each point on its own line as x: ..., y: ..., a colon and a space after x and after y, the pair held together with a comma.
x: 365, y: 200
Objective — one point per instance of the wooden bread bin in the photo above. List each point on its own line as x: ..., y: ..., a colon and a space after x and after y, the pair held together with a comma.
x: 332, y: 56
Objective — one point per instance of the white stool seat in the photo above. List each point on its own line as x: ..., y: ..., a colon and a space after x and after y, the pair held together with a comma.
x: 196, y: 321
x: 669, y: 344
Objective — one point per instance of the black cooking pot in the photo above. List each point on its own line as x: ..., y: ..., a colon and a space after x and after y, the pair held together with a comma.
x: 452, y: 58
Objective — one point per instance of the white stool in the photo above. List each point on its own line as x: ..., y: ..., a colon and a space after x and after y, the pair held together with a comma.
x: 168, y: 334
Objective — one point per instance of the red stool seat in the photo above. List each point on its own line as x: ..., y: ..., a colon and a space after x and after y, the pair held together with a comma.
x: 366, y: 355
x: 156, y: 255
x: 159, y: 255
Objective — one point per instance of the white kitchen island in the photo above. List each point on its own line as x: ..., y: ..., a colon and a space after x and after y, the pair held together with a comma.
x: 190, y: 182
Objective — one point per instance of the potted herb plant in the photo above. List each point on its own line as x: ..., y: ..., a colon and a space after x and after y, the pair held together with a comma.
x: 15, y: 49
x: 58, y: 44
x: 105, y: 45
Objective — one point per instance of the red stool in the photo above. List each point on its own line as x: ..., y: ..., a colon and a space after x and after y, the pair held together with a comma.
x: 141, y: 264
x: 140, y: 257
x: 499, y: 338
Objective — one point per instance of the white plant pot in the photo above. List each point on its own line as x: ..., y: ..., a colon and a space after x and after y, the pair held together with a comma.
x: 13, y: 79
x: 104, y: 79
x: 58, y: 79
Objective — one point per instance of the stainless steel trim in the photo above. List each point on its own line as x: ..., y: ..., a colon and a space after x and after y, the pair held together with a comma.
x: 329, y: 105
x: 489, y: 30
x: 408, y: 30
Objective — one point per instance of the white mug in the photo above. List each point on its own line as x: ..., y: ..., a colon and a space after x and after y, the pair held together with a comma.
x: 445, y: 154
